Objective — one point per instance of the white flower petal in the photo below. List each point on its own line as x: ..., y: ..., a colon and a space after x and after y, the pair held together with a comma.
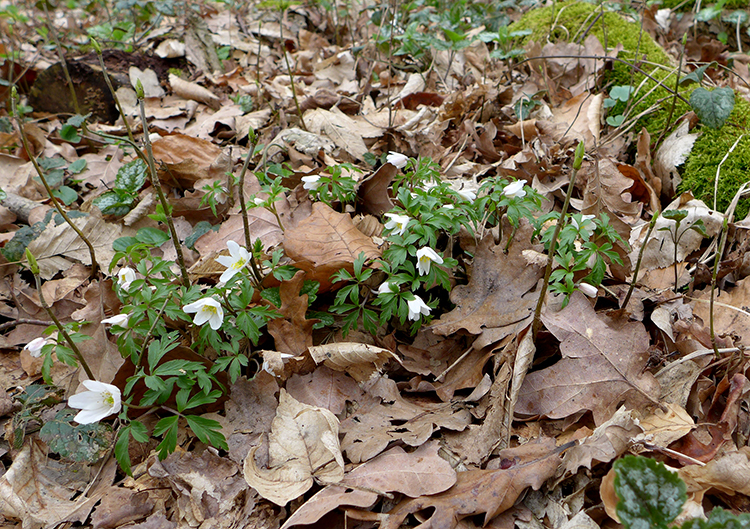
x: 121, y: 320
x: 125, y: 276
x: 467, y: 194
x: 388, y: 287
x: 34, y: 347
x: 588, y: 290
x: 417, y: 307
x: 100, y: 401
x: 515, y: 189
x: 397, y: 159
x: 311, y: 182
x: 397, y: 223
x: 425, y: 258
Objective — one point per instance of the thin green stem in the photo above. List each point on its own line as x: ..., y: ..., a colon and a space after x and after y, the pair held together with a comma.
x: 62, y: 330
x: 162, y: 199
x: 537, y: 322
x: 676, y: 91
x: 638, y: 263
x: 114, y: 94
x: 52, y: 197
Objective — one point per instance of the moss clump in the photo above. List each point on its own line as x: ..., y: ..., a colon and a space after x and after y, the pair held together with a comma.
x: 707, y: 153
x: 569, y: 21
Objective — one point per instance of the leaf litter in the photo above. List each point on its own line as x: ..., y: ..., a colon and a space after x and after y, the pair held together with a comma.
x: 470, y: 422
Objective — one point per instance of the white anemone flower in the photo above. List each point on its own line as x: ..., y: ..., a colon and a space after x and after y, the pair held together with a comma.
x: 417, y: 307
x: 467, y: 194
x: 236, y: 260
x: 125, y: 276
x: 588, y: 289
x: 397, y: 159
x: 34, y: 347
x: 207, y: 310
x: 397, y: 222
x: 662, y: 18
x: 515, y: 189
x: 425, y: 257
x: 311, y: 182
x: 388, y: 287
x: 100, y: 401
x: 258, y: 201
x: 121, y: 320
x: 587, y: 222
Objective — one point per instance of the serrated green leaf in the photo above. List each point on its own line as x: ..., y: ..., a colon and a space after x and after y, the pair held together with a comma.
x: 208, y: 431
x: 77, y: 442
x: 167, y: 427
x: 650, y: 495
x: 131, y: 176
x: 122, y: 452
x: 713, y: 108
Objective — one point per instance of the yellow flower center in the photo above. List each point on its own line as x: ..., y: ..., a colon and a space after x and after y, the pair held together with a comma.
x: 425, y: 259
x: 209, y: 308
x: 239, y: 263
x: 108, y: 398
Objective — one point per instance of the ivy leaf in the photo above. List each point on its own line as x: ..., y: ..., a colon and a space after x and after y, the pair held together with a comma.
x: 713, y: 108
x: 615, y: 121
x: 650, y: 495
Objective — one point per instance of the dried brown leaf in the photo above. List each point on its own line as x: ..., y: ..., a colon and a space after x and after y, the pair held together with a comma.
x: 360, y: 360
x: 602, y: 365
x: 303, y: 446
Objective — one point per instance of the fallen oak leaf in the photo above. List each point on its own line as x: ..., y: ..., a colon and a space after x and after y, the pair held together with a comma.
x: 489, y: 492
x: 414, y: 474
x: 602, y: 365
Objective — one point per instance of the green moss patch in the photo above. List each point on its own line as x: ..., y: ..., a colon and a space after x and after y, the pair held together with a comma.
x: 569, y: 21
x: 709, y: 150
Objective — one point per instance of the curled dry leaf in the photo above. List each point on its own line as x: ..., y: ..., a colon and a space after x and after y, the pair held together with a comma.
x: 194, y: 91
x: 414, y: 474
x: 303, y: 447
x: 360, y: 360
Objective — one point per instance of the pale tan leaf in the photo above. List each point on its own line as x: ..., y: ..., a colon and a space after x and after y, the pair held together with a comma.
x: 340, y: 128
x: 63, y: 241
x: 303, y: 446
x: 673, y: 152
x: 360, y: 360
x: 663, y: 427
x: 194, y: 91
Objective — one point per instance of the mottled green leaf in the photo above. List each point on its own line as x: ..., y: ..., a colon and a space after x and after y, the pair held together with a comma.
x: 713, y: 108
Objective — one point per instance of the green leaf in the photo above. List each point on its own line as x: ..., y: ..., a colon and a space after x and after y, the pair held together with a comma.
x: 152, y: 236
x: 70, y: 133
x: 713, y: 108
x: 78, y: 166
x: 208, y: 431
x: 621, y: 92
x: 66, y: 194
x: 677, y: 215
x: 121, y: 244
x: 122, y: 452
x: 131, y: 176
x: 697, y: 75
x: 77, y: 442
x: 199, y: 231
x: 113, y: 203
x: 3, y: 195
x: 139, y: 431
x: 650, y: 495
x: 720, y: 519
x: 615, y: 121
